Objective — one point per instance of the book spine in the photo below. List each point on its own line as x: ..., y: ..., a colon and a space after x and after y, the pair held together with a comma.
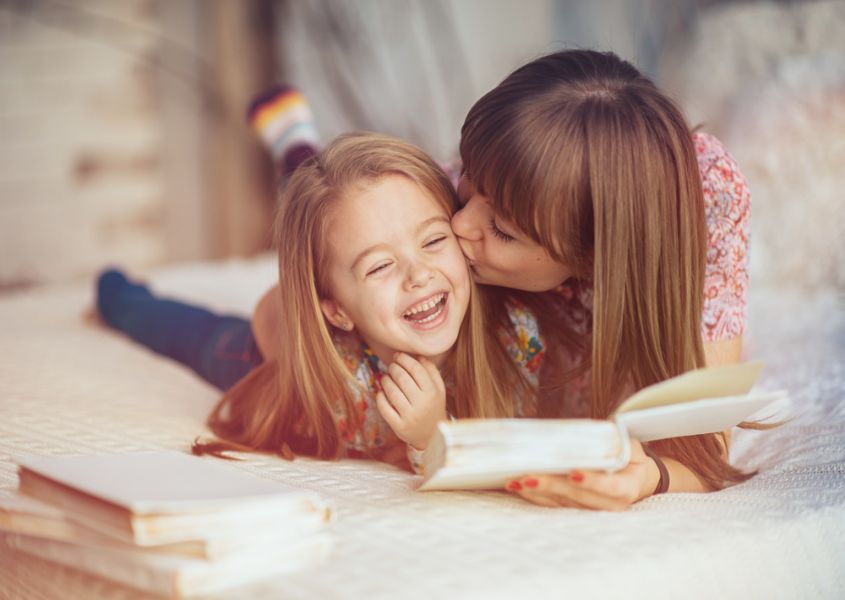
x: 102, y: 562
x: 250, y: 566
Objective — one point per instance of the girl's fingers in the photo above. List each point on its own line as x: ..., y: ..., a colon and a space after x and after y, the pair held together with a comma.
x: 433, y: 373
x: 403, y: 379
x: 420, y: 375
x: 387, y: 411
x: 395, y: 395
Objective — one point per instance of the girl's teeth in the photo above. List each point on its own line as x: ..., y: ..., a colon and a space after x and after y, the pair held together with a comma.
x: 429, y: 318
x: 426, y: 306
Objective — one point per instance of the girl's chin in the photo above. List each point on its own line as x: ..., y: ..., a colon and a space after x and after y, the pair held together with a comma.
x: 436, y: 348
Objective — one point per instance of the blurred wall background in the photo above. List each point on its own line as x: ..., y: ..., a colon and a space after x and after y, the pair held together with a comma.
x: 122, y: 137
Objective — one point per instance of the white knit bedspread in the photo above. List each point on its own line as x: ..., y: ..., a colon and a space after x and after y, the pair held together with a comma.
x: 70, y: 388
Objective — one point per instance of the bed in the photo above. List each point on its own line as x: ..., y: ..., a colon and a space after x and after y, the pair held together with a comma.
x: 70, y: 387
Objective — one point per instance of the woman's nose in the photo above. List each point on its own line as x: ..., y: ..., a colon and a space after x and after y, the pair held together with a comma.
x: 466, y: 222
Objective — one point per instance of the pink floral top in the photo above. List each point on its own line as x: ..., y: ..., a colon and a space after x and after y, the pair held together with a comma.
x: 727, y: 204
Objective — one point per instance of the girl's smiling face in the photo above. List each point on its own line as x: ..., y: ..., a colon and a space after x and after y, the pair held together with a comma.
x: 396, y: 272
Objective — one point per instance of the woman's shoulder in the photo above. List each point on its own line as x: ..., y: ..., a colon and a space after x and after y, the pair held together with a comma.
x: 709, y: 150
x: 727, y: 203
x: 726, y: 193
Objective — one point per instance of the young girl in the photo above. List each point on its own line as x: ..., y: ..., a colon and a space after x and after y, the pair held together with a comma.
x: 582, y: 187
x: 373, y: 276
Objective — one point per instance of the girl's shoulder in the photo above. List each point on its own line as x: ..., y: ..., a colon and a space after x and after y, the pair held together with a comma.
x: 363, y: 429
x: 350, y: 349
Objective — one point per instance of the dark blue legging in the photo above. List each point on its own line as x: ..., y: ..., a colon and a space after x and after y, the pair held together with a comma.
x: 220, y: 349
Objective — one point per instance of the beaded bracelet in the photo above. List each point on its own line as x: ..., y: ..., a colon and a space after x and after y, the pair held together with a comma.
x: 663, y: 483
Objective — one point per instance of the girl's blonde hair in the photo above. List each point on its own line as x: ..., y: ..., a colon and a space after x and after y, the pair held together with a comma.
x: 289, y: 404
x: 589, y: 159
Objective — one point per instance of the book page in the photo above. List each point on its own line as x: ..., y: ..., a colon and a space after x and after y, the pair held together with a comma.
x: 709, y: 415
x: 710, y: 382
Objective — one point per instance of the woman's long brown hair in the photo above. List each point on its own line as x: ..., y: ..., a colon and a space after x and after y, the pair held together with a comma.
x: 289, y: 404
x: 589, y: 159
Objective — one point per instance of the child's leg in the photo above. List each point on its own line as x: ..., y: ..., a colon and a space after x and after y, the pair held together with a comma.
x: 283, y: 119
x: 220, y: 349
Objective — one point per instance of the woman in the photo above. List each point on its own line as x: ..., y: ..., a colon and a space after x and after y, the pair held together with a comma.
x: 584, y: 188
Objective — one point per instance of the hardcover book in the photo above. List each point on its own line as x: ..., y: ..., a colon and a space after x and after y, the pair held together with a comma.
x: 486, y: 453
x: 163, y: 522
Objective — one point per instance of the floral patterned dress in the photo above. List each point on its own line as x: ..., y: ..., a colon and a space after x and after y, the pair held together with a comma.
x: 370, y: 431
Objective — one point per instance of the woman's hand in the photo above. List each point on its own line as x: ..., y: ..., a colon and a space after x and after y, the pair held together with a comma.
x: 413, y: 399
x: 593, y: 489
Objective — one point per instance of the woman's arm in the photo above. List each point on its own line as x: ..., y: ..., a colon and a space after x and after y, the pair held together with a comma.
x: 638, y: 480
x: 723, y: 352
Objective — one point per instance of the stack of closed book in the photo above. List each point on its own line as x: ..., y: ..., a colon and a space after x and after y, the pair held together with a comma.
x: 165, y: 522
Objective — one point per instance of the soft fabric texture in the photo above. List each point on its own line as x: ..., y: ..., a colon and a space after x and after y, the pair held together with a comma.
x: 71, y: 388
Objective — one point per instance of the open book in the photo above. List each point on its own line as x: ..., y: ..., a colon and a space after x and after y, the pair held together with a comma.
x: 485, y: 454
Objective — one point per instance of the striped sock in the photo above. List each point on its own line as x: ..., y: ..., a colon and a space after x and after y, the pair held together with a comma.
x: 283, y: 119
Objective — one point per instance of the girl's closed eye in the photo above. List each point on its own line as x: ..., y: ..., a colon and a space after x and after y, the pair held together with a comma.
x: 433, y: 242
x: 378, y: 268
x: 498, y: 232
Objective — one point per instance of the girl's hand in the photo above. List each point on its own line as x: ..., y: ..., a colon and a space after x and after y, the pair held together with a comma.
x: 413, y: 399
x: 593, y: 489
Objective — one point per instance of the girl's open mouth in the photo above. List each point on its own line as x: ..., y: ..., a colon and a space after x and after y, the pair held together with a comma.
x: 429, y: 313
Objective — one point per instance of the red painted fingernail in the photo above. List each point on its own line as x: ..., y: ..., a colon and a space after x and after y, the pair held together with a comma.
x: 530, y: 482
x: 576, y: 476
x: 514, y: 486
